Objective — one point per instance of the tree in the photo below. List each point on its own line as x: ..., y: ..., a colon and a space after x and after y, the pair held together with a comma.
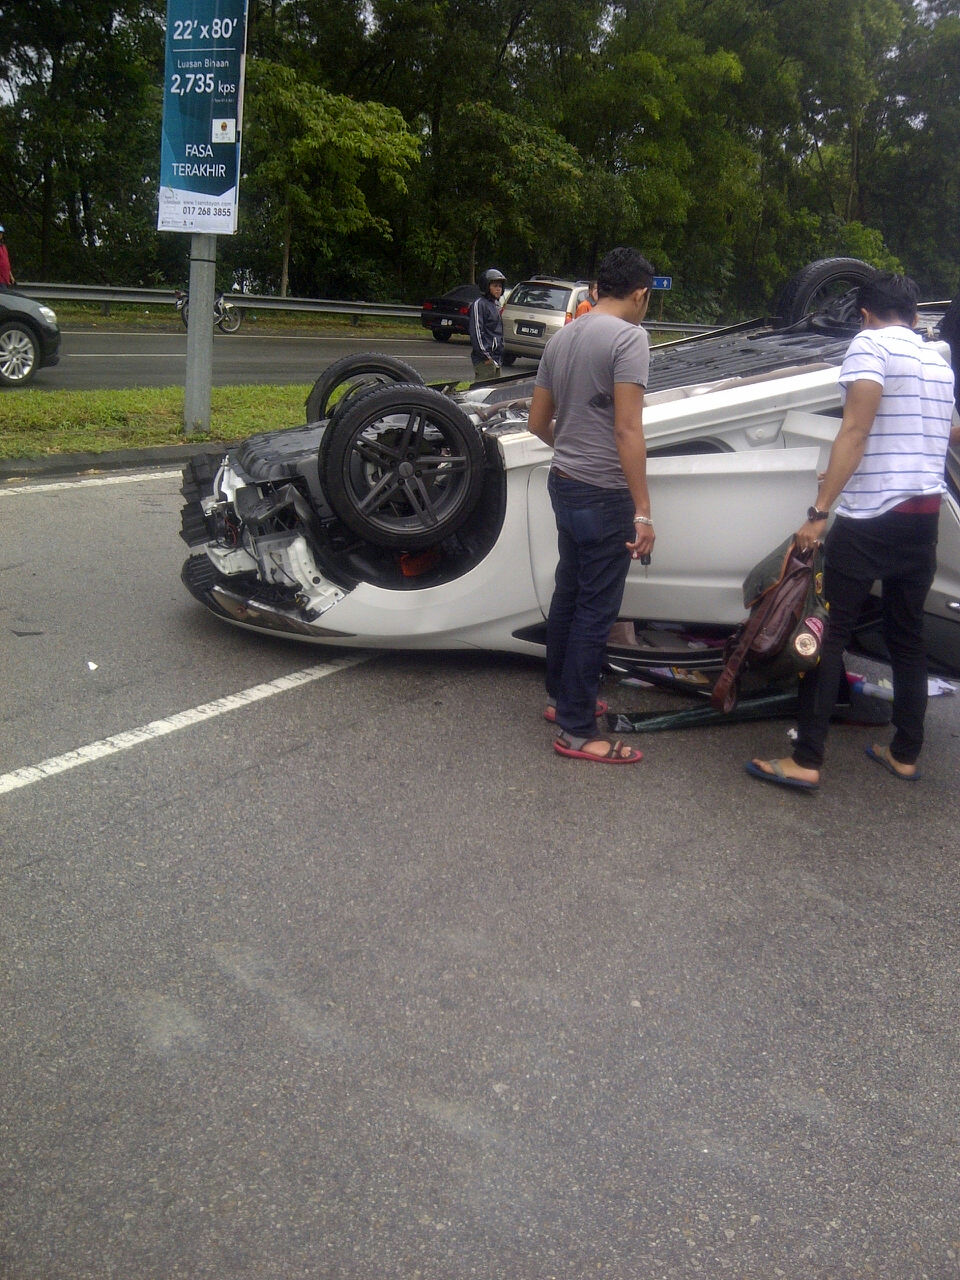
x: 80, y: 117
x: 306, y: 154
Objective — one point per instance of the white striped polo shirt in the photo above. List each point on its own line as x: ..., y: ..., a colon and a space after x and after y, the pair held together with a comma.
x: 907, y: 444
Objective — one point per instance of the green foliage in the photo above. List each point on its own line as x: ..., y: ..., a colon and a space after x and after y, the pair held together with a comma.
x: 394, y: 147
x: 307, y: 154
x: 80, y: 124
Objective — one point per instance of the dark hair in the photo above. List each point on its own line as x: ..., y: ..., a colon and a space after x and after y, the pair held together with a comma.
x: 622, y: 271
x: 887, y: 295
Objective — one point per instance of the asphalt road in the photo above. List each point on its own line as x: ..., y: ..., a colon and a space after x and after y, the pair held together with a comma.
x: 357, y: 979
x: 101, y: 360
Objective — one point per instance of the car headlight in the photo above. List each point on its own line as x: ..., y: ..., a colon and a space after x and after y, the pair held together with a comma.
x: 48, y: 314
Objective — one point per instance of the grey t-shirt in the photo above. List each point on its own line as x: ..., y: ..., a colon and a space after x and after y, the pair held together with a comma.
x: 579, y: 367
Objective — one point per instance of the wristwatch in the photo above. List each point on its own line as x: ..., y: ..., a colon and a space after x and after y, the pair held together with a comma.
x: 814, y: 514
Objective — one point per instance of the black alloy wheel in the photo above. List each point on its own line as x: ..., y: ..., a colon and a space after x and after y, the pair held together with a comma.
x: 403, y: 467
x: 827, y: 287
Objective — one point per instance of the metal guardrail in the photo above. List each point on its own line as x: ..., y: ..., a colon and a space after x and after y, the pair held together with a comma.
x: 264, y: 302
x: 253, y: 301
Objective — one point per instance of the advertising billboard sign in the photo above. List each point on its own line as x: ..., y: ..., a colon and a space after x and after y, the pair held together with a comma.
x: 202, y: 116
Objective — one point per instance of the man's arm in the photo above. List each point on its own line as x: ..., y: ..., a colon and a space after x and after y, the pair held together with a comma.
x: 476, y: 328
x: 859, y: 411
x: 542, y: 413
x: 632, y: 448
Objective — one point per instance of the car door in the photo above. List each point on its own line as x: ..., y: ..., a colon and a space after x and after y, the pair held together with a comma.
x: 717, y: 514
x: 942, y: 620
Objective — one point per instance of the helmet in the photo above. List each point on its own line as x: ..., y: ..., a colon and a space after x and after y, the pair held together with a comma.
x: 1, y: 231
x: 489, y: 277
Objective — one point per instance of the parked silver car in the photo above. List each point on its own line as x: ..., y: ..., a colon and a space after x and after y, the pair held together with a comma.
x: 535, y: 310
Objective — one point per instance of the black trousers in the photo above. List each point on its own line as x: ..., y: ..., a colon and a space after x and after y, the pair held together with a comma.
x: 899, y: 551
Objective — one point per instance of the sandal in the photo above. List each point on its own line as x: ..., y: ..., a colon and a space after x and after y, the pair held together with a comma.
x: 883, y: 758
x: 616, y: 752
x: 778, y: 777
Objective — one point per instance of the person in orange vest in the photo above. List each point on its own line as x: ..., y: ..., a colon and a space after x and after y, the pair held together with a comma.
x: 589, y: 302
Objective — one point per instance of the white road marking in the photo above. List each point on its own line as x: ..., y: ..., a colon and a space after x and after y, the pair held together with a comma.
x: 170, y: 724
x: 89, y: 481
x: 126, y: 355
x: 233, y: 338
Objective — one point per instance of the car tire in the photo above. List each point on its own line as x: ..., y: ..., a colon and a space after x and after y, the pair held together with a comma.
x: 825, y: 285
x: 441, y: 335
x: 509, y: 358
x: 19, y: 354
x: 402, y: 466
x: 345, y: 377
x: 184, y: 313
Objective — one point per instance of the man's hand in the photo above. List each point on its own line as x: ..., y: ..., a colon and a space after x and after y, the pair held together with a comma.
x: 643, y: 540
x: 810, y: 533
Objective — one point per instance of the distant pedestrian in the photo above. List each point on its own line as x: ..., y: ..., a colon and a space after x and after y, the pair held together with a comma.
x: 6, y: 271
x: 886, y: 475
x: 589, y: 302
x: 486, y: 327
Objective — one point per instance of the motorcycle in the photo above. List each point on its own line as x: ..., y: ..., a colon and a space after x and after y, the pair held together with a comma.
x: 226, y: 316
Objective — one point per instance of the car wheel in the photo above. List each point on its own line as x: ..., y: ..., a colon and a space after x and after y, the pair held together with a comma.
x: 349, y: 375
x: 825, y: 286
x: 403, y: 467
x: 184, y: 313
x: 509, y: 358
x: 19, y: 354
x: 441, y: 335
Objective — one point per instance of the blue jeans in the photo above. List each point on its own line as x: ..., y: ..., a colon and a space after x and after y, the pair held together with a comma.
x: 593, y: 527
x: 901, y: 552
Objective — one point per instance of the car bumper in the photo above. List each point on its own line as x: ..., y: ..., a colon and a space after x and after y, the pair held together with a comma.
x: 49, y: 349
x: 445, y: 324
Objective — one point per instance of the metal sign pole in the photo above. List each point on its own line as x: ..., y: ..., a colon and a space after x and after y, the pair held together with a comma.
x: 200, y: 162
x: 196, y: 392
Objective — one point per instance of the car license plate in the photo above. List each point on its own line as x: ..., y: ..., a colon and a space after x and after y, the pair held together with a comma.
x: 530, y: 330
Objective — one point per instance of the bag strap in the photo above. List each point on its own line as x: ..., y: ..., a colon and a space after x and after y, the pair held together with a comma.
x: 724, y: 694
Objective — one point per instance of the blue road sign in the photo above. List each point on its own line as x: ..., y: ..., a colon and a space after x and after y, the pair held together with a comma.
x: 663, y: 282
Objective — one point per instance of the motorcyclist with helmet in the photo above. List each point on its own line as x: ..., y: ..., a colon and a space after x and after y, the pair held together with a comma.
x: 486, y: 326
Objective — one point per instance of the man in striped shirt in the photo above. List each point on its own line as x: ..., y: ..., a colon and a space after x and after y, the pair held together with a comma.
x: 886, y: 475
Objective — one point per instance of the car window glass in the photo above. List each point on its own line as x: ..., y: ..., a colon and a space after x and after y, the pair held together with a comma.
x: 541, y: 297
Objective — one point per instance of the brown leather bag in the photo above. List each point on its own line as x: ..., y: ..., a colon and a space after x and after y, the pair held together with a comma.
x: 775, y: 614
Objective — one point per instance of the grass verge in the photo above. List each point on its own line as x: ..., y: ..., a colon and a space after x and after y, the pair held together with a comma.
x: 36, y: 424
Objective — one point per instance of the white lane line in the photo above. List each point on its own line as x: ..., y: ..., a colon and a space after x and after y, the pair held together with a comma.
x: 170, y: 724
x: 234, y: 338
x: 126, y: 355
x: 89, y: 481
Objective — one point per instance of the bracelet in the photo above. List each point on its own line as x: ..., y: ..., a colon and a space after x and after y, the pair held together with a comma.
x: 642, y: 520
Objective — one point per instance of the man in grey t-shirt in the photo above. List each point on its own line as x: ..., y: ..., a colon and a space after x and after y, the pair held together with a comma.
x: 588, y: 404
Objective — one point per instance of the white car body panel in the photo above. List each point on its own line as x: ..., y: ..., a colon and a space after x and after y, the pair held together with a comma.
x: 754, y: 446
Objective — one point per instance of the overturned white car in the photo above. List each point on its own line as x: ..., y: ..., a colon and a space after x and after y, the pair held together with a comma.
x: 406, y: 516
